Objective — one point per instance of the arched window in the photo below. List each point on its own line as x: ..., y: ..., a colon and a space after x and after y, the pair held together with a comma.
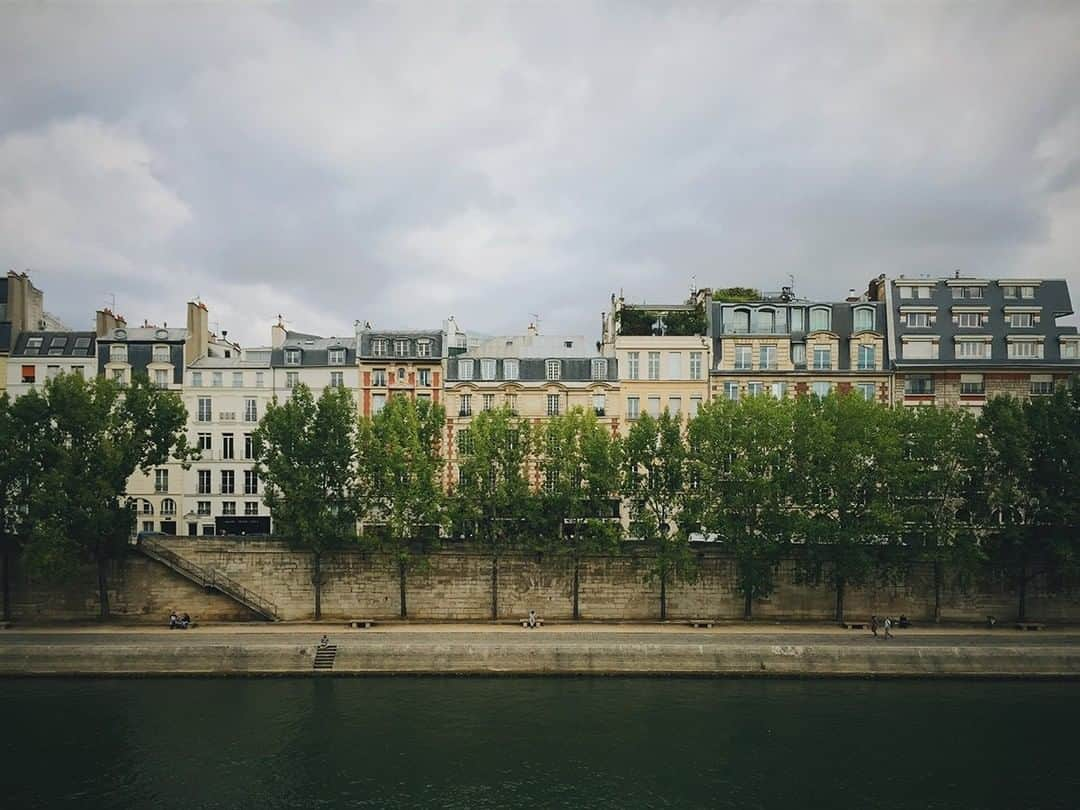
x: 820, y: 319
x: 168, y: 506
x: 766, y: 321
x: 864, y: 319
x: 146, y: 507
x: 740, y: 321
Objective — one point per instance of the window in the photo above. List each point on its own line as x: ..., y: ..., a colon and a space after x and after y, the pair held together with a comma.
x: 633, y: 407
x: 821, y: 389
x: 920, y: 350
x: 1070, y: 349
x: 798, y: 354
x: 1027, y: 292
x: 695, y: 365
x: 208, y: 529
x: 1021, y: 320
x: 378, y: 347
x: 196, y: 379
x: 228, y: 507
x: 337, y: 379
x: 292, y: 357
x: 202, y: 507
x: 972, y: 349
x: 633, y: 361
x: 228, y: 482
x: 423, y: 348
x: 292, y: 379
x: 489, y: 402
x: 1010, y: 291
x: 378, y: 402
x: 731, y: 391
x: 238, y: 379
x: 695, y: 406
x: 919, y: 385
x: 553, y: 404
x: 553, y: 369
x: 822, y: 357
x: 654, y: 407
x: 464, y: 442
x: 1041, y: 384
x: 867, y: 391
x: 337, y: 357
x: 917, y: 320
x: 205, y: 442
x: 401, y: 348
x: 118, y: 377
x: 161, y: 480
x: 740, y: 321
x: 168, y: 506
x: 967, y: 292
x: 487, y: 369
x: 52, y: 372
x: 425, y: 377
x: 969, y: 320
x: 251, y: 482
x: 260, y: 379
x: 118, y: 353
x: 972, y: 385
x: 161, y: 354
x: 867, y: 358
x: 216, y: 379
x: 755, y: 389
x: 551, y: 480
x: 33, y: 343
x: 249, y: 445
x: 778, y: 390
x: 204, y: 483
x: 511, y: 369
x: 1025, y: 349
x: 465, y: 369
x: 674, y: 406
x: 511, y: 403
x: 820, y: 319
x: 227, y: 446
x: 78, y: 371
x: 378, y: 377
x: 654, y: 365
x: 204, y: 409
x: 767, y: 357
x: 251, y: 507
x: 599, y: 403
x: 864, y: 319
x: 796, y: 315
x: 743, y: 353
x: 465, y: 405
x: 599, y: 369
x: 148, y: 525
x: 766, y: 321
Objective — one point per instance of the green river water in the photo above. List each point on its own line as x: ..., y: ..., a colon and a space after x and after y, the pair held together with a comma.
x: 538, y: 742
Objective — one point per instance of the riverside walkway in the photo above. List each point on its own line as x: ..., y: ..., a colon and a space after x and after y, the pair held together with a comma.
x: 567, y: 649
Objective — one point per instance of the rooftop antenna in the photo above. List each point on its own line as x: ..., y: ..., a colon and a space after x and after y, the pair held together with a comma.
x: 112, y: 297
x: 536, y: 320
x: 693, y: 284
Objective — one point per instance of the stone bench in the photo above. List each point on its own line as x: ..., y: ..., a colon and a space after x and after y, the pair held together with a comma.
x: 539, y: 622
x: 855, y: 625
x: 361, y: 624
x: 1030, y: 626
x: 701, y: 622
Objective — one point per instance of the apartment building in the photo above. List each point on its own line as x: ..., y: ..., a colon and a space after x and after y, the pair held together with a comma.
x: 40, y: 356
x: 962, y: 339
x: 22, y: 309
x: 399, y: 362
x: 663, y: 353
x: 536, y: 376
x: 781, y: 346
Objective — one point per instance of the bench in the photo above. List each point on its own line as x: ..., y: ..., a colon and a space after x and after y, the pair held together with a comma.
x: 1030, y: 626
x: 539, y: 622
x: 361, y: 624
x: 701, y: 622
x: 855, y: 625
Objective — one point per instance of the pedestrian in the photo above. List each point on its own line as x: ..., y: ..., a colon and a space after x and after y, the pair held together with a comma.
x: 873, y: 625
x: 888, y: 626
x: 324, y: 641
x: 532, y: 618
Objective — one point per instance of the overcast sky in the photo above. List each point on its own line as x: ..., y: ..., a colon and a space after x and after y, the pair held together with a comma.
x: 398, y: 163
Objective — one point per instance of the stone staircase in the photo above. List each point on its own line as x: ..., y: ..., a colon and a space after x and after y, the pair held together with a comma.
x: 208, y: 578
x: 325, y: 657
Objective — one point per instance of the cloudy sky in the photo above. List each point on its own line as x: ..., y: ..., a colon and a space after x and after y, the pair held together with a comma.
x: 402, y: 162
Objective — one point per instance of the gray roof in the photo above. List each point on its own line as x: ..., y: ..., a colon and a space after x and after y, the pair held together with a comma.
x: 411, y: 338
x: 314, y: 350
x: 145, y: 334
x: 55, y: 344
x: 538, y: 346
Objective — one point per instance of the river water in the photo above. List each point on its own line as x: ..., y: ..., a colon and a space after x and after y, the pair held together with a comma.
x: 487, y: 742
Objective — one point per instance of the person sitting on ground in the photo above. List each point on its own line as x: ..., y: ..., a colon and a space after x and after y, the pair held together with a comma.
x: 324, y: 641
x: 185, y: 621
x: 174, y: 620
x: 532, y: 618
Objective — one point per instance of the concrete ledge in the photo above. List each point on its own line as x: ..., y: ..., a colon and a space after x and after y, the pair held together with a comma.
x: 404, y: 656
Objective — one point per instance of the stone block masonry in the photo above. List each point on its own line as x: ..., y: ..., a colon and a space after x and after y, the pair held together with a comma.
x: 457, y: 585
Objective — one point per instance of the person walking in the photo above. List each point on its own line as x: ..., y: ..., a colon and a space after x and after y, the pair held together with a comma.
x: 888, y: 626
x: 873, y: 625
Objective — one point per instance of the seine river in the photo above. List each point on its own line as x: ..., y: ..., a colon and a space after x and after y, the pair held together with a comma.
x: 485, y: 742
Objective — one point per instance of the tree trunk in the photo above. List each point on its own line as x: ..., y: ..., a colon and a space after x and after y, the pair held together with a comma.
x: 1022, y: 611
x: 577, y: 615
x: 401, y: 588
x: 103, y: 588
x: 748, y: 604
x: 937, y: 591
x: 495, y: 587
x: 663, y: 595
x: 7, y: 585
x: 839, y: 599
x: 316, y: 581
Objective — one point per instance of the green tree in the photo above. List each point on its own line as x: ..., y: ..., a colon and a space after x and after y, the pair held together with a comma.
x: 98, y: 435
x: 654, y: 485
x: 306, y: 452
x: 493, y: 502
x: 579, y: 461
x: 740, y: 463
x: 401, y: 470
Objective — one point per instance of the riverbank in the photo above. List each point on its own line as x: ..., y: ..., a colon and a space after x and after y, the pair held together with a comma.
x: 573, y: 649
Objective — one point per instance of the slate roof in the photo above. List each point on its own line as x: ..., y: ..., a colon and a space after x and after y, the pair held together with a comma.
x: 49, y: 344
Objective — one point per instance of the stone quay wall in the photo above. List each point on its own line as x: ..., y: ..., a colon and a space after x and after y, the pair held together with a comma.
x: 457, y: 585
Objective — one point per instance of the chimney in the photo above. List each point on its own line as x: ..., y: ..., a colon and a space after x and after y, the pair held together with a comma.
x: 532, y: 331
x: 198, y: 332
x: 851, y: 296
x: 277, y: 333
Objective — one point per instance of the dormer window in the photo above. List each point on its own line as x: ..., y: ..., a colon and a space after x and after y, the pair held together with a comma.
x: 401, y: 347
x: 378, y: 347
x: 864, y: 319
x: 820, y: 319
x: 423, y: 348
x: 118, y: 354
x: 465, y: 369
x: 740, y: 321
x: 161, y: 354
x: 766, y: 321
x: 33, y: 345
x: 510, y: 369
x: 599, y: 369
x: 487, y: 369
x: 337, y: 357
x: 292, y: 357
x: 554, y: 370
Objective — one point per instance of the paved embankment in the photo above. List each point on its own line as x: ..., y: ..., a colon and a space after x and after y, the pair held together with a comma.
x: 554, y: 650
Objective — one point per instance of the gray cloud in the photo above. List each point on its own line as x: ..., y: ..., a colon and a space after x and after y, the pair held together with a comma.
x: 402, y: 163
